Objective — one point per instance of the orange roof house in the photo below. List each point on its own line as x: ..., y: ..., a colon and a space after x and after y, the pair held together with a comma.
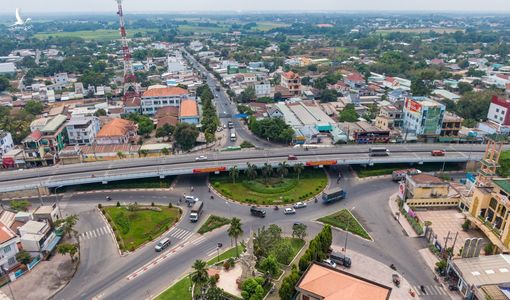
x: 117, y: 131
x: 324, y: 282
x: 188, y: 111
x: 165, y: 92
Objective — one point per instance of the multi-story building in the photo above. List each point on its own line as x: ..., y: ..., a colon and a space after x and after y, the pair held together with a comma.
x: 155, y: 98
x: 6, y: 142
x: 43, y: 145
x: 451, y: 125
x: 389, y: 118
x: 37, y: 237
x: 8, y: 248
x: 263, y: 89
x: 499, y: 111
x: 490, y: 212
x: 117, y: 131
x: 292, y: 82
x: 423, y: 116
x: 82, y: 130
x: 424, y: 190
x: 61, y: 78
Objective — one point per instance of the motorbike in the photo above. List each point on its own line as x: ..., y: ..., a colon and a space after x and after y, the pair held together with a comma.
x: 108, y: 198
x: 392, y: 266
x: 212, y: 197
x: 276, y: 207
x: 422, y: 288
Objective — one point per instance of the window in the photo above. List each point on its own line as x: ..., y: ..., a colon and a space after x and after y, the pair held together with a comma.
x: 11, y: 261
x: 7, y: 249
x: 497, y: 110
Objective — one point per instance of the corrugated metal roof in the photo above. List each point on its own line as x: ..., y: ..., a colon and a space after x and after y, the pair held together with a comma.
x: 54, y: 124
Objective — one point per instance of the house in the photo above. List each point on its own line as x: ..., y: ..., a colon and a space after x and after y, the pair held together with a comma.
x: 389, y: 118
x: 8, y: 248
x: 188, y: 112
x: 292, y: 82
x: 323, y: 282
x: 424, y: 190
x: 498, y: 117
x: 132, y: 105
x: 61, y: 79
x: 482, y: 277
x: 155, y: 98
x: 82, y: 130
x: 6, y: 142
x: 108, y: 152
x: 13, y: 159
x: 42, y: 146
x: 46, y: 213
x: 117, y: 131
x: 263, y: 89
x: 37, y: 237
x: 364, y: 133
x: 451, y: 125
x: 355, y: 80
x: 39, y: 124
x: 423, y: 116
x: 7, y: 68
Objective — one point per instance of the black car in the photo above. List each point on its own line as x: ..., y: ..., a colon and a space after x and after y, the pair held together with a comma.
x: 257, y: 212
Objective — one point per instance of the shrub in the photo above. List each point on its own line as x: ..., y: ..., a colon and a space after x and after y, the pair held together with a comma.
x: 118, y: 204
x: 117, y: 238
x: 100, y: 206
x: 488, y: 248
x: 132, y: 248
x: 152, y: 204
x: 170, y: 205
x: 231, y: 261
x: 216, y: 184
x: 226, y: 265
x: 466, y: 225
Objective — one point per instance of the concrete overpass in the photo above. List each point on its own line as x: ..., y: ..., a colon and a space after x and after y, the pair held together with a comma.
x: 66, y: 175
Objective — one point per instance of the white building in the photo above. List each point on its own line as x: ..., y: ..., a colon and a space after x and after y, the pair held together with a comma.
x: 6, y: 142
x: 8, y: 248
x: 155, y: 98
x: 37, y: 236
x: 61, y: 78
x: 423, y: 116
x: 82, y: 130
x: 263, y: 89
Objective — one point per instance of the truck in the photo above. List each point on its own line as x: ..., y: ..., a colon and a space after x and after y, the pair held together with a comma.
x: 218, y: 87
x: 196, y: 211
x: 233, y: 136
x: 333, y: 195
x: 398, y: 175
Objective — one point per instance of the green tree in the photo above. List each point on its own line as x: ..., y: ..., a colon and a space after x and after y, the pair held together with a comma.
x: 233, y: 173
x: 474, y: 106
x: 282, y: 251
x: 199, y: 276
x: 165, y: 131
x: 165, y: 151
x: 464, y: 87
x: 4, y: 83
x: 298, y: 168
x: 348, y: 114
x: 267, y: 170
x: 419, y: 88
x: 251, y: 171
x: 265, y: 239
x: 247, y: 95
x: 235, y: 231
x: 100, y: 112
x: 252, y: 289
x: 270, y: 266
x: 282, y: 169
x: 20, y: 205
x: 34, y: 107
x: 66, y: 248
x: 23, y: 257
x: 120, y: 154
x: 272, y: 129
x: 186, y: 135
x: 288, y: 287
x: 67, y: 224
x: 504, y: 164
x: 328, y: 95
x: 143, y: 152
x: 299, y: 231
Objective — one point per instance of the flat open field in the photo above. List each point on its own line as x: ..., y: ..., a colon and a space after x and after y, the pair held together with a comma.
x: 202, y: 29
x: 101, y: 34
x: 266, y: 26
x: 419, y: 30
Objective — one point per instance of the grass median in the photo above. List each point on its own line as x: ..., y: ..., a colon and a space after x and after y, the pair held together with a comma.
x: 134, y: 225
x: 344, y: 220
x: 212, y: 223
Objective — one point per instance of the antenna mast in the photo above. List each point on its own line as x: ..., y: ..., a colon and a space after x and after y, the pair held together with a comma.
x: 130, y: 86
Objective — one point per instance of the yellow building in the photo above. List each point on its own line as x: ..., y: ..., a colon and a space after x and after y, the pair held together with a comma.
x: 489, y: 211
x: 424, y: 190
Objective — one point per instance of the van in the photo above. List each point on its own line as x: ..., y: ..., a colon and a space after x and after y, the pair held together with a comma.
x: 162, y: 245
x: 190, y: 199
x: 257, y: 212
x: 340, y: 259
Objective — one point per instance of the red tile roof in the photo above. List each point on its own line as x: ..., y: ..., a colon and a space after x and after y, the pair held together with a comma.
x: 6, y: 234
x: 167, y: 111
x: 172, y: 120
x: 116, y: 127
x: 188, y: 108
x: 290, y: 75
x: 165, y: 92
x: 355, y: 77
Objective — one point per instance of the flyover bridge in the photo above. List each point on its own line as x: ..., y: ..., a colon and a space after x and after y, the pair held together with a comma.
x: 104, y: 172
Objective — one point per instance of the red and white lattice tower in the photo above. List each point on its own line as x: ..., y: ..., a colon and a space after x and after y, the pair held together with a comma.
x: 130, y: 85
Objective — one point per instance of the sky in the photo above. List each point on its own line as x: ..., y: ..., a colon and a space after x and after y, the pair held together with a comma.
x: 101, y: 6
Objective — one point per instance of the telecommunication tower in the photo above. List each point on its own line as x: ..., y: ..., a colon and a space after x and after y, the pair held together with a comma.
x: 130, y: 85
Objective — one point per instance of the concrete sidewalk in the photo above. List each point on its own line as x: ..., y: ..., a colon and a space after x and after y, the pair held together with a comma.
x: 430, y: 259
x: 401, y: 219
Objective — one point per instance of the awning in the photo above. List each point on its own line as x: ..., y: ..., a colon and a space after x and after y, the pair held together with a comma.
x: 51, y: 245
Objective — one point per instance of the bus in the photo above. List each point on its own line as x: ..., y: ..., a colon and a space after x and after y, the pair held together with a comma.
x: 233, y: 136
x: 378, y: 151
x: 333, y: 195
x: 218, y: 87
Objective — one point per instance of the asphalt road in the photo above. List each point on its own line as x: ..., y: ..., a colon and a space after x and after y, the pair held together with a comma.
x: 185, y: 164
x: 369, y: 199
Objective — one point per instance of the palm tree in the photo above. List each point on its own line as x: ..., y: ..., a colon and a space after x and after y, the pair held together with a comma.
x: 251, y: 171
x: 298, y: 168
x: 199, y: 276
x: 282, y: 169
x: 267, y: 170
x: 235, y: 230
x: 67, y: 224
x: 234, y: 173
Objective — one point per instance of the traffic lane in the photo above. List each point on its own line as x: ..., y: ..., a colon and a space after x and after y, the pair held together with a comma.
x: 155, y: 280
x: 146, y: 197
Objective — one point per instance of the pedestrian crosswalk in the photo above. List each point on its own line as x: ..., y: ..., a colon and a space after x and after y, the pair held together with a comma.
x: 430, y: 290
x: 179, y: 233
x: 95, y: 233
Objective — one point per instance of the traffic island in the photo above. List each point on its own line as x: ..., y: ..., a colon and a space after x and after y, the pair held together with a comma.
x: 270, y: 190
x: 346, y: 221
x: 136, y: 225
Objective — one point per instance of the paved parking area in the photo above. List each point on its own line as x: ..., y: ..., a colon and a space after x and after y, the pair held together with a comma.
x: 448, y: 220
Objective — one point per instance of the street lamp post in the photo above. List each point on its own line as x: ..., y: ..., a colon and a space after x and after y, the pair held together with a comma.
x: 347, y: 231
x: 58, y: 201
x: 218, y: 249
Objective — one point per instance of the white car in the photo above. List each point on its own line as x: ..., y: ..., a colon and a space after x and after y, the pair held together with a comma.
x: 201, y: 157
x: 289, y: 211
x: 329, y: 262
x: 299, y: 205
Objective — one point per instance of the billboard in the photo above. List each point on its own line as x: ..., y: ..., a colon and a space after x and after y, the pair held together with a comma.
x: 210, y: 170
x: 412, y: 106
x: 320, y: 163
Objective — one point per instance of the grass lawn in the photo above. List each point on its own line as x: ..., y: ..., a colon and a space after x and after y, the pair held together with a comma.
x: 100, y: 34
x: 266, y: 26
x: 144, y: 183
x: 297, y: 244
x: 345, y: 220
x: 180, y: 290
x: 385, y: 169
x: 212, y: 223
x: 133, y: 228
x: 227, y: 254
x: 275, y: 191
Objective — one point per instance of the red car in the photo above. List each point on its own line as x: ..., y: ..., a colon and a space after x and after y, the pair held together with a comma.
x: 438, y: 152
x: 291, y: 157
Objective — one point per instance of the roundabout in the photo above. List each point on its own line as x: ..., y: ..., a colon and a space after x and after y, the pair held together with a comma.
x: 270, y: 190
